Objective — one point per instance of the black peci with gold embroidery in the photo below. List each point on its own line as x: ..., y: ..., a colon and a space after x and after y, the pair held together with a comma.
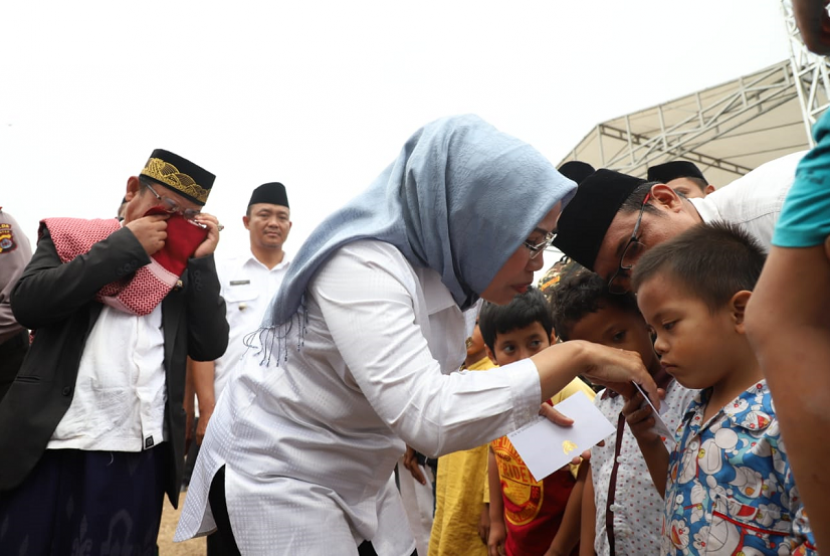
x: 180, y: 175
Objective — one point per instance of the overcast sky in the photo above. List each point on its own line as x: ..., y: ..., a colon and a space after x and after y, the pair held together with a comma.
x: 321, y: 95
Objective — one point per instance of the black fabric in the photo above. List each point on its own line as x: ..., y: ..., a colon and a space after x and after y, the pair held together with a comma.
x: 366, y: 549
x: 585, y: 220
x: 272, y: 193
x: 191, y: 456
x: 221, y: 542
x: 669, y: 171
x: 58, y: 301
x: 12, y: 353
x: 85, y: 502
x: 576, y: 171
x: 425, y: 461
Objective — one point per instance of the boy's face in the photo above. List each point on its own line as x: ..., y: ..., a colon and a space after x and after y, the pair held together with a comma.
x: 697, y: 347
x: 519, y: 344
x: 689, y: 188
x: 475, y: 343
x: 615, y: 327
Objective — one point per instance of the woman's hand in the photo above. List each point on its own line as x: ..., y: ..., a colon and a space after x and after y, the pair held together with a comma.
x: 617, y: 368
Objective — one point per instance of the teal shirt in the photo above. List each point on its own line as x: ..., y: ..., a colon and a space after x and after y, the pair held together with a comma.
x: 805, y: 216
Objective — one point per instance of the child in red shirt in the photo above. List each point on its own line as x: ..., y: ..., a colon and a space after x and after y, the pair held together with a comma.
x: 530, y: 517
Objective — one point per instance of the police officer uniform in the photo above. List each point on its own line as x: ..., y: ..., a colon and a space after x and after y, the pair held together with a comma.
x: 15, y: 254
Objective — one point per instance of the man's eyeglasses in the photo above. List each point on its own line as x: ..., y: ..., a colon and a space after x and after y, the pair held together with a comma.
x: 171, y: 206
x: 536, y: 248
x: 633, y: 249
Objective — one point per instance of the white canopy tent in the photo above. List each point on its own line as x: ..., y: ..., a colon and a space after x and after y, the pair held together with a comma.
x: 727, y: 130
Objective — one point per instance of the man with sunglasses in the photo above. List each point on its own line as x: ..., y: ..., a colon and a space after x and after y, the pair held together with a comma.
x: 92, y: 430
x: 614, y: 218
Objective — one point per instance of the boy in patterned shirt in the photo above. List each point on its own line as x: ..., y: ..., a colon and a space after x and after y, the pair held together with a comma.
x: 621, y: 509
x: 727, y: 484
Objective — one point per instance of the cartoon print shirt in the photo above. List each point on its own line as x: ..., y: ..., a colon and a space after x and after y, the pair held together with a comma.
x: 730, y: 488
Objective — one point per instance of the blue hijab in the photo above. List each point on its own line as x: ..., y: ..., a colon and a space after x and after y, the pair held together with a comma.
x: 460, y: 198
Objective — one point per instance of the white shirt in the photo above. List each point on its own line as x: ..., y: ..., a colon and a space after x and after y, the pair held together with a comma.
x: 247, y: 286
x: 753, y: 201
x: 637, y: 507
x: 120, y: 391
x: 311, y: 441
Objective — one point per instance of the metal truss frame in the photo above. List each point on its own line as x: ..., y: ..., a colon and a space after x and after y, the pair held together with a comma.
x: 749, y: 99
x: 684, y: 127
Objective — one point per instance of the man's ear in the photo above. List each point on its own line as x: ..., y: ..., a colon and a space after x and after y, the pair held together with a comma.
x: 737, y: 308
x: 133, y: 187
x: 666, y: 197
x: 246, y: 221
x: 709, y: 189
x: 490, y: 354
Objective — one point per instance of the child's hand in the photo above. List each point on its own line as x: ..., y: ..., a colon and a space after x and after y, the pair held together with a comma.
x: 640, y: 418
x: 410, y: 461
x: 624, y: 389
x: 498, y: 534
x: 580, y: 459
x: 554, y: 416
x: 484, y: 524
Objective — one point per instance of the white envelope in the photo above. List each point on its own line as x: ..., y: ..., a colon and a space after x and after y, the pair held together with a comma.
x: 660, y: 426
x: 546, y: 447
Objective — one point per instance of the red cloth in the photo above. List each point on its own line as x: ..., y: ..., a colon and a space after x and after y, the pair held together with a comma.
x: 533, y: 510
x: 140, y: 293
x: 183, y: 238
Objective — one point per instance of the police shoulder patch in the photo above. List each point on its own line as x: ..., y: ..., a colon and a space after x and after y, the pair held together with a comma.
x: 7, y: 243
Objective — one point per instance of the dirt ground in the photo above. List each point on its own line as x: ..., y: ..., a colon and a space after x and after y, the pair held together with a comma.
x: 169, y: 519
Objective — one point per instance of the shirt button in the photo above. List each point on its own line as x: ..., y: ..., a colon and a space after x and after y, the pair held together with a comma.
x: 66, y: 390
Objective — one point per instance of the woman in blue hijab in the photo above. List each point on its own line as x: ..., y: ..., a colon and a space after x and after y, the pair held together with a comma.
x: 355, y: 356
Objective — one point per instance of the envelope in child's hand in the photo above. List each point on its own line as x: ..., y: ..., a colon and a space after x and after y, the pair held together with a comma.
x: 546, y: 447
x: 660, y: 426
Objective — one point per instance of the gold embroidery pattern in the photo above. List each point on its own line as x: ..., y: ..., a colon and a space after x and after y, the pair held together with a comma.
x: 166, y: 173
